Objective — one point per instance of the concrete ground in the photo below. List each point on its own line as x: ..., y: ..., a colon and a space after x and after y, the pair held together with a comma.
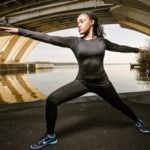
x: 86, y: 123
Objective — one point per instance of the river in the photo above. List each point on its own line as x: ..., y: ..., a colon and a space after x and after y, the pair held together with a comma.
x: 24, y: 87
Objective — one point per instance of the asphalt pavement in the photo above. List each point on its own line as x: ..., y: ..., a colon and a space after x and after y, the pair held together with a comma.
x: 85, y: 123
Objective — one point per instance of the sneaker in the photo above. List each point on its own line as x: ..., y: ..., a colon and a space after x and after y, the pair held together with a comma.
x: 142, y: 127
x: 44, y: 141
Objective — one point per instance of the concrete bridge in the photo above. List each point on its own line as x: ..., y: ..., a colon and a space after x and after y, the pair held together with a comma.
x: 53, y: 15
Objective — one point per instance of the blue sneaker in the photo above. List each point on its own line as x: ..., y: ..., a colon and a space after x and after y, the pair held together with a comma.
x: 44, y: 141
x: 142, y: 127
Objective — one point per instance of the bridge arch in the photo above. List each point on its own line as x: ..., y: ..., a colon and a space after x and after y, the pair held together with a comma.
x: 47, y: 16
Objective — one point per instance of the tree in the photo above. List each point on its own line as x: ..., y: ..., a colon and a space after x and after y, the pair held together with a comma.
x: 143, y: 58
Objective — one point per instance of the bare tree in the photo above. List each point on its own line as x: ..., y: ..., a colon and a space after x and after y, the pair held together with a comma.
x: 143, y: 58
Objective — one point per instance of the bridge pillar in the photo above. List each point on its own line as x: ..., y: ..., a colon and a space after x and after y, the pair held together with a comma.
x: 15, y: 48
x: 25, y: 50
x: 8, y: 48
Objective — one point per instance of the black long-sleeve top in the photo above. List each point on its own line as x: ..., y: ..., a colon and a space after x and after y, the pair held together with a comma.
x: 89, y: 53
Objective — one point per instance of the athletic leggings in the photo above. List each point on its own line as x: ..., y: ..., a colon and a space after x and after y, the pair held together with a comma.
x: 77, y: 88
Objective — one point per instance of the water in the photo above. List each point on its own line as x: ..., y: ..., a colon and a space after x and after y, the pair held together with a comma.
x: 37, y: 86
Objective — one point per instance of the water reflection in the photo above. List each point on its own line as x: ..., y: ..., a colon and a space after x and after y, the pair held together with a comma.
x: 36, y: 85
x: 16, y: 88
x: 143, y: 75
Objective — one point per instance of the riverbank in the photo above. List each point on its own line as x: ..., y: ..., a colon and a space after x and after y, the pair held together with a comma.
x: 30, y: 67
x: 85, y: 123
x: 23, y: 67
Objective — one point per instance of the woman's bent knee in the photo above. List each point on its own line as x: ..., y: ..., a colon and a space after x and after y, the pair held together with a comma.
x: 52, y: 99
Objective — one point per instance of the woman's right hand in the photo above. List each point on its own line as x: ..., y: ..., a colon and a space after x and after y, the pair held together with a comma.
x: 10, y: 29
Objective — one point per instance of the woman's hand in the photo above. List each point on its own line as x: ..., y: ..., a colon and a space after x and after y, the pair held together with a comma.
x: 10, y: 29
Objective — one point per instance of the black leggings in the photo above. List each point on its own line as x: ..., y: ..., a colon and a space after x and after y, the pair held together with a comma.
x: 77, y: 88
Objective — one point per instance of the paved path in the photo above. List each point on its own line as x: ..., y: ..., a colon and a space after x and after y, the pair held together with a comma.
x: 86, y: 123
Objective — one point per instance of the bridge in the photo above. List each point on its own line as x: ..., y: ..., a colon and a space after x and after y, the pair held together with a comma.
x: 52, y: 15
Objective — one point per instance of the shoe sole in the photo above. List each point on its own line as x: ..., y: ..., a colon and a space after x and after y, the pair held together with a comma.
x: 51, y: 143
x: 142, y: 131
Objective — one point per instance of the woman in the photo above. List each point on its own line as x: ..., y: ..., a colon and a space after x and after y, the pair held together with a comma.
x: 89, y: 51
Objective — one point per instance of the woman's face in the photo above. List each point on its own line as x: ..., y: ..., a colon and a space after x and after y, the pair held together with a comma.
x: 84, y: 23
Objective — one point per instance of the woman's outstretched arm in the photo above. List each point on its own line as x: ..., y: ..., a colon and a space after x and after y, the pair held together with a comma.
x: 43, y: 37
x: 120, y: 48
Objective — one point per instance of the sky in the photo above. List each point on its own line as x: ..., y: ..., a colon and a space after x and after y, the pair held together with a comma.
x: 114, y: 33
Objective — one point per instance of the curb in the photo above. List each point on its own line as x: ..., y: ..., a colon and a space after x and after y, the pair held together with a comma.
x: 130, y: 97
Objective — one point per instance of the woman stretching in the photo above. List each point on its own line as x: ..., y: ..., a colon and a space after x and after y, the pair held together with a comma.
x: 89, y: 51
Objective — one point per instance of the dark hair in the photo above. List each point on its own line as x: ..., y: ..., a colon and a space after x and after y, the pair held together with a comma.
x: 98, y: 29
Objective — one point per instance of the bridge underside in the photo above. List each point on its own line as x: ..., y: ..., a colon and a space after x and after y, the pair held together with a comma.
x: 49, y: 15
